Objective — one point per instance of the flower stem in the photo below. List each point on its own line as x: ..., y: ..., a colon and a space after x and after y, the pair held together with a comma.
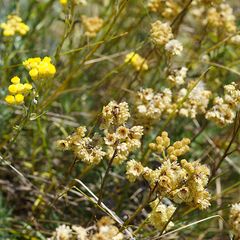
x: 105, y: 177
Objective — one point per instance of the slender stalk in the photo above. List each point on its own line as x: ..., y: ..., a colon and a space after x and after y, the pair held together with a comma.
x: 226, y: 152
x: 139, y: 209
x: 105, y: 177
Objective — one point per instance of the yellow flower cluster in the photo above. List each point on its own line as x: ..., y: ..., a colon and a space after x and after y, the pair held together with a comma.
x: 63, y: 2
x: 234, y: 219
x: 160, y: 33
x: 40, y: 68
x: 92, y: 25
x: 82, y: 146
x: 76, y: 2
x: 118, y: 137
x: 183, y: 182
x: 161, y: 214
x: 168, y: 9
x: 14, y: 25
x: 222, y: 18
x: 196, y: 102
x: 17, y: 91
x: 223, y: 110
x: 103, y: 230
x: 150, y: 106
x: 138, y: 62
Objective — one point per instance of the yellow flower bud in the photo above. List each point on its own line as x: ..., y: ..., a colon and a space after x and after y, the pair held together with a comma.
x: 10, y: 99
x: 52, y: 69
x: 152, y: 146
x: 27, y: 87
x: 15, y: 80
x: 33, y: 73
x: 13, y: 89
x: 19, y: 98
x: 20, y: 87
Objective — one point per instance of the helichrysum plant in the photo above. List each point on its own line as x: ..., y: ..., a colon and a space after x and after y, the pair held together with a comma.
x: 120, y: 119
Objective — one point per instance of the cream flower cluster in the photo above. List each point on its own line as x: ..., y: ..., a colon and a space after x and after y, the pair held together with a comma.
x: 118, y: 141
x: 172, y: 152
x: 222, y: 17
x: 174, y: 47
x: 183, y: 182
x: 104, y: 230
x: 224, y: 108
x: 14, y: 25
x: 150, y: 106
x: 82, y: 146
x: 92, y: 25
x: 196, y: 102
x: 161, y: 214
x: 168, y: 9
x: 134, y: 170
x: 160, y: 33
x: 63, y: 232
x: 177, y: 76
x: 234, y: 219
x: 235, y: 39
x: 138, y: 62
x: 107, y: 230
x: 115, y: 114
x: 119, y: 138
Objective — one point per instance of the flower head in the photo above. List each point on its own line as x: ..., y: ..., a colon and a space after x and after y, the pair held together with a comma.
x: 13, y: 26
x: 137, y: 61
x: 17, y: 91
x: 40, y: 68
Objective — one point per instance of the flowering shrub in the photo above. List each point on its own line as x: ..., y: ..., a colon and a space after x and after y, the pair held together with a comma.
x: 119, y: 119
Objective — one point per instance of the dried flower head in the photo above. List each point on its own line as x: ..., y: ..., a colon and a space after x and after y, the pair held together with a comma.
x: 177, y: 76
x: 92, y: 25
x: 168, y: 9
x: 150, y: 106
x: 63, y: 232
x: 161, y: 214
x: 222, y: 17
x: 115, y: 114
x: 83, y: 147
x: 174, y: 47
x: 134, y: 170
x: 196, y: 102
x: 234, y: 219
x: 181, y: 182
x: 223, y: 111
x: 80, y: 232
x: 161, y: 33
